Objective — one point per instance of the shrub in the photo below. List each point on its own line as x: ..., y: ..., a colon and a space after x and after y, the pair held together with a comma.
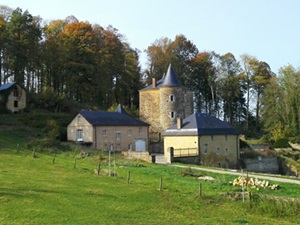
x: 47, y: 145
x: 281, y: 143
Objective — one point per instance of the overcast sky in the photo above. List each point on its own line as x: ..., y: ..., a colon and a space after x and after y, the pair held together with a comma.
x: 266, y: 29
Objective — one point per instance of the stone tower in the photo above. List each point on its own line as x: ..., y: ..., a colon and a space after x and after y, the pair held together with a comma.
x: 162, y: 102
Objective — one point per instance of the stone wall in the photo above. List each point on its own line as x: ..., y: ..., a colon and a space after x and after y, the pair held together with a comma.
x: 262, y: 165
x: 145, y: 156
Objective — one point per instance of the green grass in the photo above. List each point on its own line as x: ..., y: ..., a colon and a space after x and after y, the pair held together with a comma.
x: 36, y: 191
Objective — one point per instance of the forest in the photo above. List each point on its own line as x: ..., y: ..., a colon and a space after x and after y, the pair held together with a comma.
x: 66, y: 63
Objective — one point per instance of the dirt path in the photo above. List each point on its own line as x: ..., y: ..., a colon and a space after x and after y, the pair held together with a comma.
x: 238, y: 173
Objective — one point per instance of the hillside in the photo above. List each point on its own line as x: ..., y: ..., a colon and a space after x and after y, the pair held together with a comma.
x: 64, y: 188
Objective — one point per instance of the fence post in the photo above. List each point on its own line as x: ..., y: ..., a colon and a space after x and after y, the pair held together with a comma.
x: 53, y: 160
x: 128, y: 177
x: 98, y: 170
x: 160, y: 184
x: 200, y: 190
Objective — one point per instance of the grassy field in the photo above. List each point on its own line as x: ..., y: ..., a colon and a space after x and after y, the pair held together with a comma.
x: 34, y: 190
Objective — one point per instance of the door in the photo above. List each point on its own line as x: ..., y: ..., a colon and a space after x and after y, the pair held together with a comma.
x: 140, y: 145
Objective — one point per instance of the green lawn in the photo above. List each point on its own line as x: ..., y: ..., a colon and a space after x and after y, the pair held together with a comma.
x: 36, y: 191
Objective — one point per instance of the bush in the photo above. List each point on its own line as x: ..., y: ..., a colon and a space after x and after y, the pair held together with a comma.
x: 47, y: 145
x: 281, y: 143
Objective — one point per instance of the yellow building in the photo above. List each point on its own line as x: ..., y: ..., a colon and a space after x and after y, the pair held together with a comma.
x: 109, y: 130
x: 12, y: 97
x: 202, y: 139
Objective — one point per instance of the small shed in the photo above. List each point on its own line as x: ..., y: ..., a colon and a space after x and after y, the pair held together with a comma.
x: 12, y: 97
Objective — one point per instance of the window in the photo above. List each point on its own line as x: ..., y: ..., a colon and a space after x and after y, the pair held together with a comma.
x: 226, y: 138
x: 79, y: 135
x: 226, y: 151
x: 16, y: 92
x: 118, y: 136
x: 111, y: 147
x: 105, y: 147
x: 205, y: 149
x: 212, y: 138
x: 104, y: 133
x: 16, y: 104
x: 118, y: 147
x: 172, y: 115
x: 79, y: 119
x: 171, y: 98
x: 218, y: 151
x: 129, y: 147
x: 140, y: 130
x: 129, y: 132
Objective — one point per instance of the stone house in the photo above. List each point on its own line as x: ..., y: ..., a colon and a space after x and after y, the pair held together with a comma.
x: 202, y: 139
x: 109, y: 130
x: 162, y: 102
x: 12, y: 97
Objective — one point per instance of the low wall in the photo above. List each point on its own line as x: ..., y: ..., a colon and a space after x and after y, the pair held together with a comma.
x: 262, y: 165
x: 187, y: 159
x: 145, y: 156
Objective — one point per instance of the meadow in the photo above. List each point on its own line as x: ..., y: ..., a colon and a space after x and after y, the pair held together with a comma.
x: 64, y: 187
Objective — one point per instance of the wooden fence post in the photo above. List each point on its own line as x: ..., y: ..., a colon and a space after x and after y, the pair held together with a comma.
x: 128, y: 177
x: 74, y: 163
x: 98, y: 170
x: 53, y: 160
x: 200, y: 190
x: 160, y: 184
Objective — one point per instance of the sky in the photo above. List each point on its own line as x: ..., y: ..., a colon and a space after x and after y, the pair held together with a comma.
x: 266, y: 29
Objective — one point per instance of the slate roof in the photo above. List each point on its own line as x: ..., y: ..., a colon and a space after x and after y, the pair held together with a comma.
x: 117, y: 118
x: 7, y: 86
x: 201, y: 124
x: 168, y: 80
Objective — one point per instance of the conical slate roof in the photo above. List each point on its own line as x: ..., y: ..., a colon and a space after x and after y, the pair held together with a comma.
x: 170, y: 79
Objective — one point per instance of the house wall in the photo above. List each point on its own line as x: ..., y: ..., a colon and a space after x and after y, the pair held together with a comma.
x: 80, y: 124
x: 95, y: 136
x: 192, y: 145
x: 104, y: 142
x: 20, y: 98
x: 222, y: 157
x: 150, y: 111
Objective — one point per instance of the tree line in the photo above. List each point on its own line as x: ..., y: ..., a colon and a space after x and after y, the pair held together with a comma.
x: 97, y: 67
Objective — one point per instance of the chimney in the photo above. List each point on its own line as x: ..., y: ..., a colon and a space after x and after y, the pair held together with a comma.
x: 179, y: 123
x: 153, y: 82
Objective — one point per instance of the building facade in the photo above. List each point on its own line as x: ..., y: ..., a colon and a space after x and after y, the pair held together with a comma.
x: 12, y: 97
x: 109, y: 131
x: 162, y: 102
x: 202, y: 139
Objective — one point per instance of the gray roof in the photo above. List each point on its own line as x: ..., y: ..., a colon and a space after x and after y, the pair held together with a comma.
x: 117, y: 118
x: 7, y: 86
x: 201, y: 124
x: 168, y: 80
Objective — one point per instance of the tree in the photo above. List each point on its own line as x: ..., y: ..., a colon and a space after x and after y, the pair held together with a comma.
x: 164, y: 51
x: 200, y: 81
x: 231, y: 89
x: 23, y: 34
